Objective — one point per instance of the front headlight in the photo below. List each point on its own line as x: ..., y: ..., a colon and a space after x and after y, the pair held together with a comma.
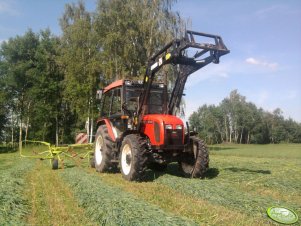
x: 168, y: 126
x: 179, y: 127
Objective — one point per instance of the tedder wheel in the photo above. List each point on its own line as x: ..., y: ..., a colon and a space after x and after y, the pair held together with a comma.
x: 55, y: 163
x: 103, y: 151
x: 133, y: 158
x: 92, y: 161
x: 195, y: 161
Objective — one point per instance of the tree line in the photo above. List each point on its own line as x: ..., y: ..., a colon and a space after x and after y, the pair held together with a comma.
x: 48, y: 83
x: 235, y: 120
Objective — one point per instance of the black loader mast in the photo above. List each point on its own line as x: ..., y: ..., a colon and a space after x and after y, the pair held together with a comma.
x: 190, y: 56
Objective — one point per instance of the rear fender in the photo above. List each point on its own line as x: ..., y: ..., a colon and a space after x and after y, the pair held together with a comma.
x: 111, y: 130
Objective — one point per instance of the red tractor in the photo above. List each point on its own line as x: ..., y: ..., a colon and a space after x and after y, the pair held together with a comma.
x: 137, y: 127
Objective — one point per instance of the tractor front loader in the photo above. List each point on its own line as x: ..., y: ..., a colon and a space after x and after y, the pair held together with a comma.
x: 138, y: 127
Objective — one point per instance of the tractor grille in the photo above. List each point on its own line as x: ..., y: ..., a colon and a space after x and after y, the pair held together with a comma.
x: 173, y: 137
x: 157, y: 132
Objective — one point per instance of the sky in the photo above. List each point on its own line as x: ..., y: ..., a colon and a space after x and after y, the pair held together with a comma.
x: 264, y: 37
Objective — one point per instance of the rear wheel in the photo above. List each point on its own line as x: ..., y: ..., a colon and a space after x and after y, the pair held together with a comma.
x: 195, y: 161
x: 103, y: 151
x: 133, y: 158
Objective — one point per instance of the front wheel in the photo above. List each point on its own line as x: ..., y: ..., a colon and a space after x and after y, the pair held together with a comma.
x: 195, y: 161
x: 133, y: 158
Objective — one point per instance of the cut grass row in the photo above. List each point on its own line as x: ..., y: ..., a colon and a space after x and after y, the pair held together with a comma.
x: 33, y: 194
x: 229, y: 195
x: 270, y: 175
x: 13, y: 205
x: 52, y: 202
x: 109, y: 205
x: 245, y: 185
x: 174, y: 201
x: 279, y: 179
x: 237, y: 191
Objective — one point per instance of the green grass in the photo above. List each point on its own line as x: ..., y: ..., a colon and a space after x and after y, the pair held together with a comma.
x: 173, y: 201
x: 7, y: 149
x: 52, y: 202
x: 13, y: 205
x: 7, y: 160
x: 242, y: 182
x: 287, y: 151
x: 108, y: 205
x: 244, y: 179
x: 247, y: 179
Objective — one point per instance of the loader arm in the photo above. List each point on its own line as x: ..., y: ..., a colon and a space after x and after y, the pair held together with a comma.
x: 190, y: 55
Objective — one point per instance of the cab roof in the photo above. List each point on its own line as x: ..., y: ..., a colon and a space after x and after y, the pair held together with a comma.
x: 123, y: 81
x: 113, y: 85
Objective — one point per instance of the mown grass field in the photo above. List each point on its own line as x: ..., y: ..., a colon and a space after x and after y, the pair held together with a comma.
x: 243, y: 181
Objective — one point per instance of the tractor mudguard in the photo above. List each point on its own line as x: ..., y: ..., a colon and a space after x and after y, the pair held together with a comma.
x: 111, y: 130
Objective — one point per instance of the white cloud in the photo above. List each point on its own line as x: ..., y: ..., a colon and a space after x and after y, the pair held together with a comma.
x: 252, y: 61
x: 283, y: 10
x: 262, y: 63
x: 264, y: 11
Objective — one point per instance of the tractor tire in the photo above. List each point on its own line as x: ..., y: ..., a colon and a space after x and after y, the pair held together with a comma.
x: 133, y: 158
x: 195, y: 161
x: 157, y: 167
x: 103, y: 151
x: 55, y: 164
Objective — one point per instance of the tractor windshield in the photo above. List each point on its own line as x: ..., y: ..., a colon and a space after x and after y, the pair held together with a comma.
x: 155, y: 102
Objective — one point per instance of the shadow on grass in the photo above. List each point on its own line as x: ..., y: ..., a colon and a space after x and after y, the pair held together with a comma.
x: 173, y: 169
x: 7, y: 150
x: 152, y: 175
x: 68, y: 166
x: 212, y: 173
x: 235, y: 170
x: 220, y: 148
x: 61, y: 165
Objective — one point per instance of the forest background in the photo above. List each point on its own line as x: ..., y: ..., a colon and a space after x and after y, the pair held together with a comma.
x: 48, y: 83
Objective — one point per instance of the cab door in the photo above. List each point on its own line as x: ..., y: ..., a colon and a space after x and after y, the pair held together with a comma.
x: 112, y: 110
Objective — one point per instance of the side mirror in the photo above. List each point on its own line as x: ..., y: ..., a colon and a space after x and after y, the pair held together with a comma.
x: 99, y: 94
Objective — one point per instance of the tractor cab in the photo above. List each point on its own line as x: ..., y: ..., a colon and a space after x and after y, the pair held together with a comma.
x: 120, y: 101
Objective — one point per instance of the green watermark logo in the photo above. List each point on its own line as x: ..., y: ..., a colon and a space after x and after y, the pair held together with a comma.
x: 282, y: 215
